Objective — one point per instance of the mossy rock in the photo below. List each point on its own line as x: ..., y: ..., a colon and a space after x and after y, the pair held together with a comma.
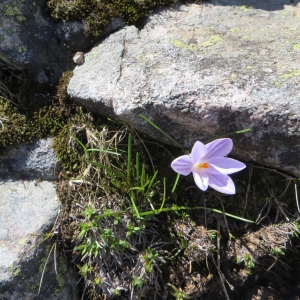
x: 96, y: 15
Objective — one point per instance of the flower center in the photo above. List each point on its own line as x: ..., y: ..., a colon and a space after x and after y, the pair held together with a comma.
x: 199, y: 166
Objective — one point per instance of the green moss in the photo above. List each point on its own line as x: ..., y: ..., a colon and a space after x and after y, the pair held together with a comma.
x: 16, y: 272
x: 235, y: 29
x: 20, y: 121
x: 60, y: 277
x: 296, y: 47
x: 290, y: 75
x: 182, y: 45
x: 12, y: 10
x: 22, y: 49
x: 4, y: 59
x: 96, y: 15
x: 23, y: 241
x: 61, y: 282
x: 30, y: 287
x: 213, y: 40
x: 245, y: 8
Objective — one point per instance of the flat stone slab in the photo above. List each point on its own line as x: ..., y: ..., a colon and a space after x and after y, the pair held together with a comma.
x: 27, y: 208
x: 201, y: 71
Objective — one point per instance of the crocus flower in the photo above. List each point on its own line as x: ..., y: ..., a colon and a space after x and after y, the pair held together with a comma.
x: 209, y: 166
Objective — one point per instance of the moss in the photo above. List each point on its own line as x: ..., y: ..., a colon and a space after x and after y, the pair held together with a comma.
x: 96, y: 15
x: 62, y: 95
x: 213, y: 40
x: 32, y: 286
x: 60, y: 277
x: 180, y: 44
x: 23, y: 241
x: 27, y: 112
x: 42, y: 264
x: 16, y: 272
x: 290, y: 75
x: 22, y: 48
x: 296, y: 47
x: 61, y: 282
x: 235, y: 29
x: 245, y: 8
x: 12, y: 10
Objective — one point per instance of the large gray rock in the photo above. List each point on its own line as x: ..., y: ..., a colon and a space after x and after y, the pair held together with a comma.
x: 28, y: 210
x: 31, y: 39
x: 200, y: 71
x: 28, y: 39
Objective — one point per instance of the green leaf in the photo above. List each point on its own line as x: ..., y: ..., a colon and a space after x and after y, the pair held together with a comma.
x: 160, y: 130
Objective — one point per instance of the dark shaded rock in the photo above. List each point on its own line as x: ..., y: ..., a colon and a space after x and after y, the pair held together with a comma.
x: 31, y: 39
x: 201, y: 71
x: 27, y: 161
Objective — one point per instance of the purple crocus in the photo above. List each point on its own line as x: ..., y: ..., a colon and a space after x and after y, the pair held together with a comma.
x: 209, y: 166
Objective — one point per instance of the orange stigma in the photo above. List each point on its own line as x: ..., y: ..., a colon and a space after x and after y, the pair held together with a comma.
x: 199, y: 166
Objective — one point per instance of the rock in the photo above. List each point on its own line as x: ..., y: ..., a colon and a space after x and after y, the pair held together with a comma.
x: 35, y: 160
x: 31, y: 39
x: 28, y: 40
x: 78, y: 58
x: 201, y: 71
x: 28, y: 210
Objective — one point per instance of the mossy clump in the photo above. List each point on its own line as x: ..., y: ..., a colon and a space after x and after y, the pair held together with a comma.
x: 96, y: 15
x: 27, y: 110
x: 62, y: 95
x: 13, y: 125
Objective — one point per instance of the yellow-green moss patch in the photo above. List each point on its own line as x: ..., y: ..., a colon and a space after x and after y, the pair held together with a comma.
x: 290, y: 75
x: 213, y: 40
x: 182, y: 45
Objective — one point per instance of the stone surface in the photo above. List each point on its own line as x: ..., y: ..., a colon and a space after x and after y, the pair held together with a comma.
x: 28, y: 209
x: 78, y: 58
x: 201, y: 71
x: 35, y: 160
x: 30, y: 38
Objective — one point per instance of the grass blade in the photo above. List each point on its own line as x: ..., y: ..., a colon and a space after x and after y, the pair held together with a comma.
x: 161, y: 131
x: 175, y: 183
x: 228, y: 134
x: 132, y: 198
x: 129, y: 158
x: 44, y: 268
x: 112, y: 172
x: 72, y: 135
x: 143, y: 175
x: 137, y: 168
x: 165, y: 194
x: 102, y: 150
x: 179, y: 208
x: 151, y: 182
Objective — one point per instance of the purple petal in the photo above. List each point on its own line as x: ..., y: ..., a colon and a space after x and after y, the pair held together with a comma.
x: 220, y: 147
x: 199, y: 150
x: 182, y: 165
x: 225, y: 165
x: 201, y: 181
x: 221, y: 183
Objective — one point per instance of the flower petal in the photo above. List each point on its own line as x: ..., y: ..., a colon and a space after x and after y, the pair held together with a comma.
x: 221, y: 183
x: 225, y: 165
x: 220, y: 147
x: 201, y: 181
x: 199, y: 150
x: 182, y: 165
